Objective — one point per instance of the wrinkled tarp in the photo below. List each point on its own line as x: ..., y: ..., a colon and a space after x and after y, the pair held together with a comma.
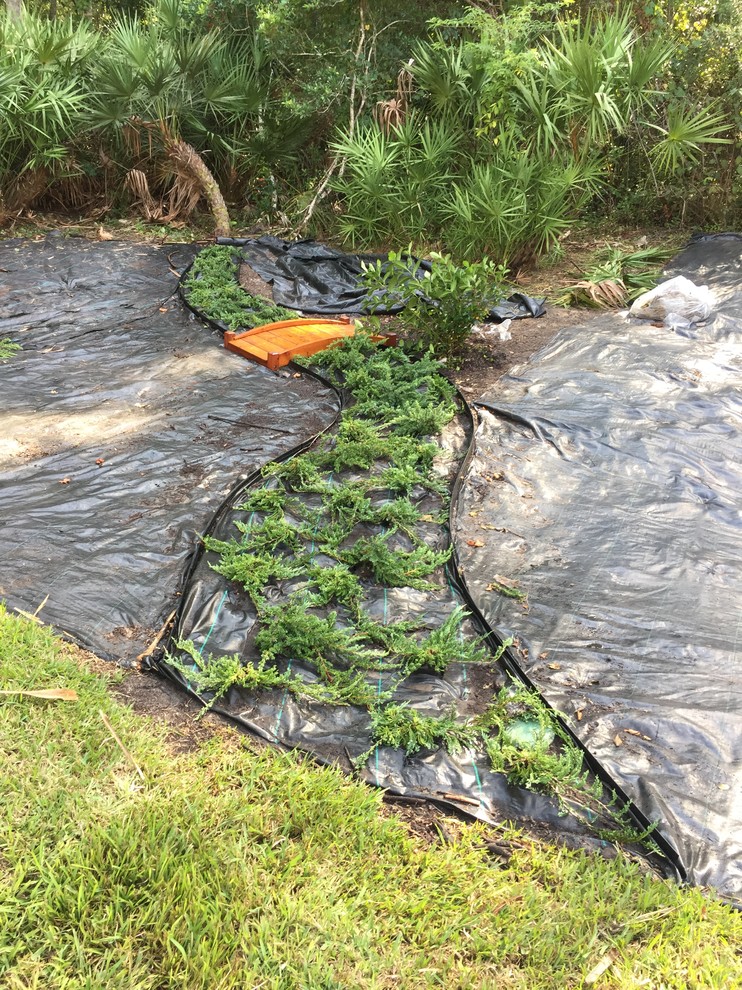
x: 114, y: 369
x: 316, y: 278
x: 124, y: 424
x: 218, y: 617
x: 608, y: 483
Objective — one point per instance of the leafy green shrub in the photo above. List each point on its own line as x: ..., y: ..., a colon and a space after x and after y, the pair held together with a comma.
x: 8, y: 348
x: 441, y: 304
x: 538, y: 764
x: 45, y: 83
x: 291, y: 631
x: 616, y: 279
x: 394, y: 568
x: 402, y: 727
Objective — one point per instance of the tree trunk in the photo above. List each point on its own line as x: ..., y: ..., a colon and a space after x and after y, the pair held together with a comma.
x: 187, y: 161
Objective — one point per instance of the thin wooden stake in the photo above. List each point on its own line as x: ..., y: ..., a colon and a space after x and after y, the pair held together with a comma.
x: 153, y: 645
x: 121, y: 746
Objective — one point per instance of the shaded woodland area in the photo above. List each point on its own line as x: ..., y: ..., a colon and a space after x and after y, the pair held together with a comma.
x: 473, y: 128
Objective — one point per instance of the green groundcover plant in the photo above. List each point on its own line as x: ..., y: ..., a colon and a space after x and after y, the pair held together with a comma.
x: 362, y: 509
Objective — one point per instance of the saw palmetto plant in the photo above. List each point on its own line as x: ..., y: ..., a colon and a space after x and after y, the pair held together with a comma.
x: 616, y: 279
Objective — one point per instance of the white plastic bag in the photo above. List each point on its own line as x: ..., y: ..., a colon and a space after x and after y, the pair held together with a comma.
x: 679, y: 298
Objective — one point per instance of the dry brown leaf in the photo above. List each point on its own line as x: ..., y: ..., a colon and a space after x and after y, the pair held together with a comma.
x: 632, y: 732
x: 618, y: 741
x: 99, y: 461
x: 474, y: 543
x: 65, y: 481
x: 578, y: 714
x: 103, y: 235
x: 51, y: 694
x: 597, y: 971
x: 554, y: 666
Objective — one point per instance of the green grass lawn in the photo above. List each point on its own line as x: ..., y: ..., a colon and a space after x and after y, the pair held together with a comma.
x: 232, y: 867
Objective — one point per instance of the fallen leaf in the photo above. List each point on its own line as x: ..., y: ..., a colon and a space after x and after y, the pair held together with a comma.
x: 632, y: 732
x: 554, y: 666
x: 597, y: 971
x: 103, y: 235
x: 99, y: 461
x: 474, y: 543
x: 297, y: 375
x: 163, y: 309
x: 578, y: 714
x: 648, y: 738
x: 618, y: 740
x: 544, y: 655
x: 475, y: 512
x: 65, y: 481
x: 51, y: 694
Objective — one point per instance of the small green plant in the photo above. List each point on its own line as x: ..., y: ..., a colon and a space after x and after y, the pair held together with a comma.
x: 616, y: 279
x: 211, y: 287
x: 443, y: 646
x: 271, y: 501
x: 292, y: 632
x: 254, y: 571
x: 394, y: 568
x: 334, y: 584
x: 218, y: 675
x: 404, y: 728
x: 300, y: 473
x: 270, y: 535
x: 442, y: 301
x: 536, y: 763
x: 8, y: 348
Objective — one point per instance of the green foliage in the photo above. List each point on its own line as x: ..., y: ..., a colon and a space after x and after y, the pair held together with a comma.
x: 292, y: 632
x: 300, y: 473
x: 617, y: 278
x: 441, y: 304
x: 540, y: 764
x: 45, y: 79
x: 211, y: 287
x: 232, y: 865
x: 442, y: 647
x: 254, y: 571
x: 404, y: 728
x: 394, y: 568
x: 523, y: 121
x: 218, y: 675
x: 334, y: 584
x: 8, y: 348
x: 268, y: 500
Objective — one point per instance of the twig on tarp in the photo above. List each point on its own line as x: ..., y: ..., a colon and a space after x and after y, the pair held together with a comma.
x: 247, y: 424
x: 153, y: 645
x: 117, y: 740
x: 33, y: 616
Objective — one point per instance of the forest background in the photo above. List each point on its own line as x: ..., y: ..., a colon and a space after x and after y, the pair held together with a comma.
x: 475, y: 128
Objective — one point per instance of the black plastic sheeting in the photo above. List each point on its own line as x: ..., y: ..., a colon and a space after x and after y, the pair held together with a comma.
x: 115, y: 369
x: 219, y: 618
x: 124, y: 427
x: 608, y: 483
x: 315, y: 278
